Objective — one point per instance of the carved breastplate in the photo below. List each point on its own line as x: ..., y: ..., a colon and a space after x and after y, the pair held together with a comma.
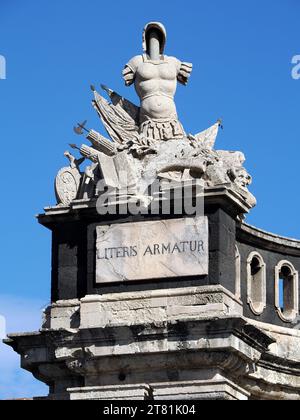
x: 156, y: 78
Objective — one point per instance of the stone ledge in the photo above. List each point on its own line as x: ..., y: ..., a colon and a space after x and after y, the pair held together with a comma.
x: 116, y: 309
x: 287, y: 341
x: 266, y: 240
x: 157, y: 306
x: 112, y: 393
x: 218, y: 388
x: 186, y: 350
x: 158, y: 293
x: 221, y: 195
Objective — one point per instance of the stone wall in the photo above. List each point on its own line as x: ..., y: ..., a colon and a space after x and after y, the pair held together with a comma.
x: 74, y: 260
x: 273, y: 249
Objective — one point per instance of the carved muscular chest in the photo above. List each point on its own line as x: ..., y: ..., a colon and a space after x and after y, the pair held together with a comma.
x: 154, y: 78
x: 162, y: 71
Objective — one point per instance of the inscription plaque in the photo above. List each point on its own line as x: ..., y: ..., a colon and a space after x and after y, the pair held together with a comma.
x: 152, y: 250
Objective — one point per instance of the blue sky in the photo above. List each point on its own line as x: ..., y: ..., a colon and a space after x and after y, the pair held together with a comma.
x: 54, y: 49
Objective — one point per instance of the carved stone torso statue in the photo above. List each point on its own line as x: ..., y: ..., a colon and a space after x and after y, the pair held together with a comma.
x: 155, y: 77
x: 148, y: 143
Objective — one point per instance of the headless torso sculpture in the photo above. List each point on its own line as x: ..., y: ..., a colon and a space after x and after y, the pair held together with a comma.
x: 155, y: 77
x: 147, y: 142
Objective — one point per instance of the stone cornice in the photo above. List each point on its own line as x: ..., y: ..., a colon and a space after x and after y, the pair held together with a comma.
x: 266, y: 240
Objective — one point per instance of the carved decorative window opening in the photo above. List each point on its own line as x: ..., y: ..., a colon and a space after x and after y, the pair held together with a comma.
x: 286, y: 291
x: 256, y: 283
x: 238, y: 273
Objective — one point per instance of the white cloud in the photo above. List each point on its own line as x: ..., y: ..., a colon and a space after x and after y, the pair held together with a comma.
x: 21, y: 315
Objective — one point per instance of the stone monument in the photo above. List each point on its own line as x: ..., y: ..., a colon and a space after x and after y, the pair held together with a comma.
x: 160, y: 290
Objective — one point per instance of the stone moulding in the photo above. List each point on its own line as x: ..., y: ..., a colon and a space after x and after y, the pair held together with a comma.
x: 218, y: 388
x: 134, y: 392
x: 222, y: 195
x: 266, y: 240
x: 250, y: 355
x: 258, y: 304
x: 151, y: 306
x: 176, y: 351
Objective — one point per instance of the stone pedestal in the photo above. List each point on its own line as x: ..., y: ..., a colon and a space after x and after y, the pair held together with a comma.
x: 170, y: 344
x: 158, y: 337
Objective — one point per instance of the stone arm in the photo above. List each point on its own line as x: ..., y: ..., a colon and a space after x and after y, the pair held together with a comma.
x: 130, y: 69
x: 128, y: 75
x: 184, y: 72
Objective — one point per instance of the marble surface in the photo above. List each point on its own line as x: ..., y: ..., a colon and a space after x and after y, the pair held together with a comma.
x: 152, y: 250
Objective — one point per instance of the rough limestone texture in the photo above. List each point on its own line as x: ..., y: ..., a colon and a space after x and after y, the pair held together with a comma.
x: 176, y: 344
x: 152, y: 250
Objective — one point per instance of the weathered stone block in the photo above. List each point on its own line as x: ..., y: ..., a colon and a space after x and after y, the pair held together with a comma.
x: 152, y: 250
